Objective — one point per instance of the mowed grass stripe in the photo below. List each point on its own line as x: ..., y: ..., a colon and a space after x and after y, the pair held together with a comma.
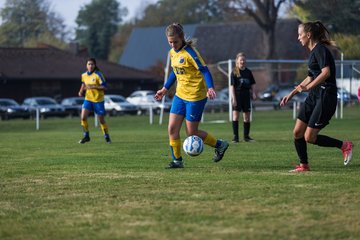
x: 51, y: 187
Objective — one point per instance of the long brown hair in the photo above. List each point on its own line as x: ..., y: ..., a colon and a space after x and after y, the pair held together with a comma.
x: 318, y: 32
x: 236, y: 69
x: 175, y: 29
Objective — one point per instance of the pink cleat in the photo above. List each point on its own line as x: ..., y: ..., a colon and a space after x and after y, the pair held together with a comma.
x: 301, y: 168
x: 347, y: 151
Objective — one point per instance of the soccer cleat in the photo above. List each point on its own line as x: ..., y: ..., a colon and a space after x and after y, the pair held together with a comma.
x: 235, y: 139
x: 84, y: 140
x: 107, y: 140
x: 248, y: 139
x: 175, y: 164
x: 301, y: 168
x: 220, y: 151
x: 347, y: 151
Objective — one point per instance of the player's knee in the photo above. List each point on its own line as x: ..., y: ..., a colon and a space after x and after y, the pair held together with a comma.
x: 310, y: 139
x: 297, y: 134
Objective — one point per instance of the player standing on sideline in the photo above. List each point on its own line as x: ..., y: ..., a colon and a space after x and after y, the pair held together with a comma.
x: 242, y: 82
x: 194, y: 86
x: 94, y: 84
x: 320, y: 105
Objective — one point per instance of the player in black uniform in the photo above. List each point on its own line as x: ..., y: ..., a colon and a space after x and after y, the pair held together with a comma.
x: 242, y: 82
x: 321, y: 103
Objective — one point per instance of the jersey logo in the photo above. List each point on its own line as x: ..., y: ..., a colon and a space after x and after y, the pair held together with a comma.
x: 93, y: 79
x: 181, y: 60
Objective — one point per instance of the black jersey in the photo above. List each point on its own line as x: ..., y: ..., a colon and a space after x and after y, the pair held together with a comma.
x: 244, y: 81
x: 320, y: 57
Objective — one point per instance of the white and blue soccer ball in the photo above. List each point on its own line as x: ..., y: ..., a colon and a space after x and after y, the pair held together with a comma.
x: 193, y: 146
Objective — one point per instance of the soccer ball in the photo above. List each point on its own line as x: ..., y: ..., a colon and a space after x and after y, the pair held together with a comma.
x: 193, y: 146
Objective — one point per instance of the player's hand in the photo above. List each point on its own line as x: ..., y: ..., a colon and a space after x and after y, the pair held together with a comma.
x: 233, y: 102
x: 160, y: 94
x: 285, y: 100
x: 253, y: 96
x: 211, y: 94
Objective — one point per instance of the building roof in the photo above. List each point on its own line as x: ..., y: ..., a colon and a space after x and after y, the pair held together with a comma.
x: 146, y: 46
x: 215, y: 42
x: 53, y: 63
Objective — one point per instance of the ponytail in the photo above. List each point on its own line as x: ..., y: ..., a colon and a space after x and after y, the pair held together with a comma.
x: 318, y: 32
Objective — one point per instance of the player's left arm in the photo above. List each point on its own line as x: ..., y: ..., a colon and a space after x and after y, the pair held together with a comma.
x: 252, y: 87
x: 200, y: 65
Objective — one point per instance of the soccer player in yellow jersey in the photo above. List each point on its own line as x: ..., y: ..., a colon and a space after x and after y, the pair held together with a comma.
x: 194, y: 86
x: 94, y: 86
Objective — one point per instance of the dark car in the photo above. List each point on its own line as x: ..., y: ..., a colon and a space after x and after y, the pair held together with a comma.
x: 269, y: 93
x: 73, y: 105
x: 299, y: 98
x: 9, y: 108
x: 47, y: 107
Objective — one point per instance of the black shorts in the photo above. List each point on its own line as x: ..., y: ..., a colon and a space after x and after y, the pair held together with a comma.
x: 243, y: 101
x: 319, y: 106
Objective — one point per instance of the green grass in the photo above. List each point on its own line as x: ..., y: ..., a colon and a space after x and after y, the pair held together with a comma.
x: 51, y: 187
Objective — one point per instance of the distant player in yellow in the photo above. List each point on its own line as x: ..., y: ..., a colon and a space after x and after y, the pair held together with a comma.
x: 94, y: 86
x: 194, y: 86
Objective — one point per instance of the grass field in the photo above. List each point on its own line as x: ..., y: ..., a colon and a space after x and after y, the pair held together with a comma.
x: 51, y: 187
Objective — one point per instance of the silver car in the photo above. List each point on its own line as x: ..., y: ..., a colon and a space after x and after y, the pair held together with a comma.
x: 47, y: 107
x: 117, y: 105
x: 145, y: 100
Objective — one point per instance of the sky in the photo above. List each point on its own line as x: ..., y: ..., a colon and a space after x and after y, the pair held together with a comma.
x: 69, y: 9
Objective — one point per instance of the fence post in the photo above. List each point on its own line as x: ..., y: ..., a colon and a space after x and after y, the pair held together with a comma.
x: 37, y: 118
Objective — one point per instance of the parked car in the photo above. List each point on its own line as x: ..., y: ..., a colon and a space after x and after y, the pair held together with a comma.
x: 299, y: 97
x: 144, y: 99
x: 220, y: 103
x: 117, y: 105
x: 47, y: 107
x: 73, y: 105
x: 269, y: 93
x: 344, y: 94
x: 9, y: 108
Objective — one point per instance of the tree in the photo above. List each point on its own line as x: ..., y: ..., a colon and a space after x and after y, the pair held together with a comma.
x: 342, y: 18
x: 185, y: 12
x: 339, y: 16
x: 29, y: 20
x: 264, y: 12
x: 97, y: 23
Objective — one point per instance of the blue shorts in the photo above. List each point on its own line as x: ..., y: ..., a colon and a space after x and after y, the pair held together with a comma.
x: 97, y: 107
x: 192, y: 111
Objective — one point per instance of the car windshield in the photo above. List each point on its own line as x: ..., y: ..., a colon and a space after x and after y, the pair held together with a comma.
x: 79, y: 101
x: 45, y: 102
x: 118, y: 99
x: 8, y: 103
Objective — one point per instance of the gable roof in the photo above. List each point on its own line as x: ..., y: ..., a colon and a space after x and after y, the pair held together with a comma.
x: 215, y: 42
x: 146, y: 46
x: 53, y: 63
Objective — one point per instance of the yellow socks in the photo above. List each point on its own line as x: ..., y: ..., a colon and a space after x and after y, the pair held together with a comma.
x: 104, y: 128
x: 85, y: 126
x: 210, y: 140
x: 175, y: 148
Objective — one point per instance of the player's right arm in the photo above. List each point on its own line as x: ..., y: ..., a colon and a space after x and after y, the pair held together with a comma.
x: 82, y: 90
x: 170, y: 81
x: 296, y: 90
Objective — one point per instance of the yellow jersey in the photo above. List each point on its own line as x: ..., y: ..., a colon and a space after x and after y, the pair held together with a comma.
x: 94, y: 78
x: 187, y: 64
